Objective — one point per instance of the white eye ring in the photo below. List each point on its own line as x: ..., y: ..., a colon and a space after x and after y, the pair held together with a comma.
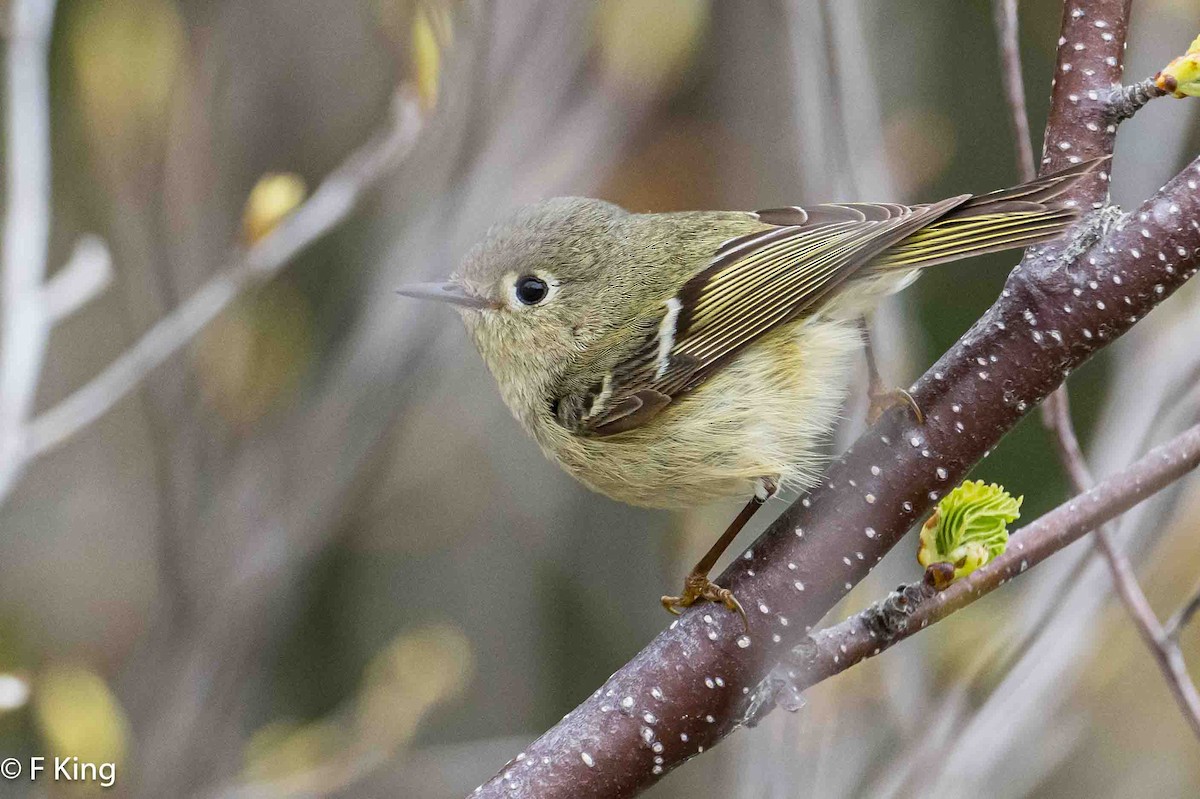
x: 531, y: 289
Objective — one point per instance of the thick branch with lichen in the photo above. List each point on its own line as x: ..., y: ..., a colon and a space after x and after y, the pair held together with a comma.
x: 692, y: 685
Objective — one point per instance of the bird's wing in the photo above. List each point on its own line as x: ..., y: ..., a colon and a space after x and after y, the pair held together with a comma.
x: 753, y: 284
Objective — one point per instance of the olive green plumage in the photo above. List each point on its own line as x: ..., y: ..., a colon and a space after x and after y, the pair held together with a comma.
x: 672, y: 359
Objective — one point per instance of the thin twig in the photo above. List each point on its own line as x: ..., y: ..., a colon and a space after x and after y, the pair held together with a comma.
x: 1014, y: 85
x: 1126, y: 101
x: 84, y: 276
x: 914, y: 607
x: 1181, y: 617
x: 330, y: 204
x: 1166, y: 652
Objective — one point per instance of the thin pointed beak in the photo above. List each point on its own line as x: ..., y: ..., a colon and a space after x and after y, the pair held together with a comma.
x: 447, y: 292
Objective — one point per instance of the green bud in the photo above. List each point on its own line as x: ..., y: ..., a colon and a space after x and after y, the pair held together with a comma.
x: 1181, y: 77
x: 969, y: 527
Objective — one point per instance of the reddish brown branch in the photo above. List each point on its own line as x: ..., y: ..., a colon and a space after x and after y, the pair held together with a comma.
x: 1120, y: 104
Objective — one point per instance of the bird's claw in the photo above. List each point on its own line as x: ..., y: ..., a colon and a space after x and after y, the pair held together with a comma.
x: 885, y: 399
x: 696, y: 588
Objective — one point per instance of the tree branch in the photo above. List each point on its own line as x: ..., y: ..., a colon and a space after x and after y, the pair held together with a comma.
x: 1128, y: 100
x: 1181, y: 617
x: 29, y: 306
x: 914, y: 607
x: 1123, y: 103
x: 691, y: 686
x: 1014, y: 86
x: 27, y: 208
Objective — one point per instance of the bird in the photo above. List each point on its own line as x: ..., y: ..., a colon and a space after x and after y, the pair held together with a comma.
x: 673, y: 359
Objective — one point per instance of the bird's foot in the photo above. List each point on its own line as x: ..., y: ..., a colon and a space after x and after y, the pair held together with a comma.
x: 884, y: 399
x: 697, y: 587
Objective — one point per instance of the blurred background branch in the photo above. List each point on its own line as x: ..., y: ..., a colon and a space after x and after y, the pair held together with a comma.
x: 1164, y: 648
x: 333, y: 201
x: 1007, y: 34
x: 1181, y: 617
x: 31, y: 306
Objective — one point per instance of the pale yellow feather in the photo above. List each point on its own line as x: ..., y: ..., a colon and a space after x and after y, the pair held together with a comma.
x: 765, y: 414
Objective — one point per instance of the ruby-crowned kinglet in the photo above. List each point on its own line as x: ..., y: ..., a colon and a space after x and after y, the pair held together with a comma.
x: 668, y: 360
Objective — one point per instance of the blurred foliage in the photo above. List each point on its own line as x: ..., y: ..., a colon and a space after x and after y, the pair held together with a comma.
x: 284, y: 749
x: 125, y: 56
x: 432, y: 33
x: 648, y: 46
x: 408, y: 677
x: 255, y: 352
x: 403, y: 682
x: 271, y: 200
x: 79, y: 716
x: 251, y: 357
x: 421, y: 33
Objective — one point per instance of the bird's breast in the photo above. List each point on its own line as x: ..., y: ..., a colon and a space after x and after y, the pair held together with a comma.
x: 764, y: 414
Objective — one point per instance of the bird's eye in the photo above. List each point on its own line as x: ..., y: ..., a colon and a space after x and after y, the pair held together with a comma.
x: 531, y: 290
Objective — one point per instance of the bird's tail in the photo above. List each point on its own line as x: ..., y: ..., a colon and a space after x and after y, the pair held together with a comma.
x: 1031, y: 213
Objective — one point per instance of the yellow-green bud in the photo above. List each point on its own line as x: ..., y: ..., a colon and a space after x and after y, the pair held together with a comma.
x: 271, y: 200
x: 1181, y: 77
x: 969, y: 527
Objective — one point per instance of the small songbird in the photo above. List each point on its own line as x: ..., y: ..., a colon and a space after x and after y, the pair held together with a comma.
x: 668, y: 360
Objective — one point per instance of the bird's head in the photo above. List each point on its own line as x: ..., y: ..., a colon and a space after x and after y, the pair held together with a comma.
x: 537, y: 290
